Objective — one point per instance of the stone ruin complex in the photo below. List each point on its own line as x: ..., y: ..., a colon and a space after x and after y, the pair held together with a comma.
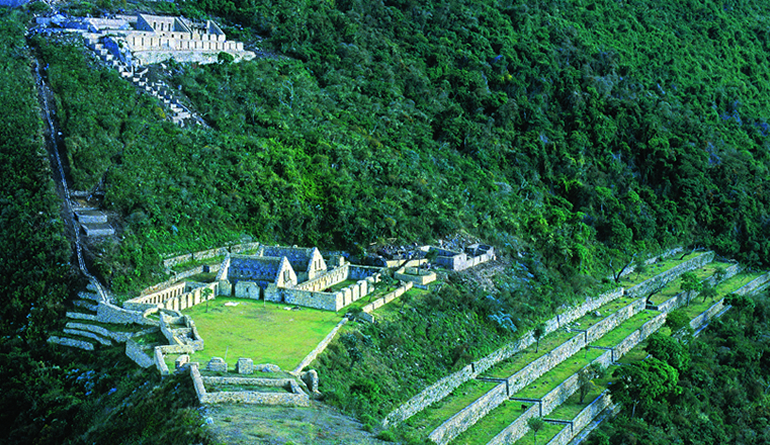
x: 298, y: 276
x: 127, y: 43
x: 473, y: 255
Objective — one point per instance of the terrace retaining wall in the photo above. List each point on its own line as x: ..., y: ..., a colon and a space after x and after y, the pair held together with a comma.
x: 584, y: 417
x: 660, y: 280
x: 517, y: 428
x: 469, y: 415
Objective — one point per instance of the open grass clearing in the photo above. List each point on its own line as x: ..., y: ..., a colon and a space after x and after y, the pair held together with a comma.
x: 263, y: 331
x: 548, y: 432
x: 553, y: 378
x: 492, y: 424
x: 625, y: 329
x: 431, y: 417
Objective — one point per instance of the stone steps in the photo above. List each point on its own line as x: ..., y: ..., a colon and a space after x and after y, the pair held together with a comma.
x: 89, y: 335
x: 85, y: 304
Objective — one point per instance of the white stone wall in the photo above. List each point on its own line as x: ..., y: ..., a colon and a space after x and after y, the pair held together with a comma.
x: 469, y: 415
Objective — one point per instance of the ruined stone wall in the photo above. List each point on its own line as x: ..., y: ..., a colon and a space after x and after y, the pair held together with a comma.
x: 118, y: 336
x: 362, y: 272
x: 137, y: 354
x: 320, y: 348
x: 387, y: 298
x: 469, y: 415
x: 109, y: 313
x: 318, y: 300
x: 257, y: 398
x: 204, y: 254
x: 66, y: 341
x: 326, y: 280
x: 660, y: 280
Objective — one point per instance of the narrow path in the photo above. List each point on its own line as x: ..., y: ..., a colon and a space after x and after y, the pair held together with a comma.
x: 54, y: 142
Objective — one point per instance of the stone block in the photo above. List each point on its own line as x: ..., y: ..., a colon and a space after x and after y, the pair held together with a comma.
x: 311, y: 380
x: 267, y: 367
x: 181, y: 361
x: 217, y: 364
x: 245, y: 366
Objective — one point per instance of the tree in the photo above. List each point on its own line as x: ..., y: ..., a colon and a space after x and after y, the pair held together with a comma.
x: 719, y: 274
x: 708, y: 291
x: 538, y: 333
x: 585, y: 384
x: 690, y: 284
x: 679, y: 323
x: 645, y: 382
x: 669, y: 350
x: 641, y: 267
x: 206, y: 293
x: 535, y: 424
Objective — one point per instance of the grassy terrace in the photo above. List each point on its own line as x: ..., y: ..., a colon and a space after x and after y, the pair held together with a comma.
x: 431, y: 417
x: 737, y: 282
x: 633, y: 278
x: 548, y: 343
x: 543, y: 436
x: 558, y: 374
x: 492, y: 424
x: 262, y: 331
x: 625, y: 329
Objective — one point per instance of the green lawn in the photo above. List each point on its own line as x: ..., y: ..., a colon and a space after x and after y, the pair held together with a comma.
x: 492, y: 424
x: 264, y: 332
x: 625, y: 329
x: 431, y: 417
x: 558, y: 374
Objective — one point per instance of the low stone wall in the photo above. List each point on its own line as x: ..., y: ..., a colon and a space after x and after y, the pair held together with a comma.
x: 247, y: 381
x: 137, y: 354
x: 109, y: 313
x: 297, y: 397
x: 387, y: 298
x: 65, y: 341
x: 638, y: 336
x: 708, y: 314
x: 118, y: 336
x: 469, y: 415
x: 517, y: 428
x: 319, y: 300
x: 660, y: 280
x: 320, y: 348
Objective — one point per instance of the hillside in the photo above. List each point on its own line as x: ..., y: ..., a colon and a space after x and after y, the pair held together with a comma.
x: 572, y: 135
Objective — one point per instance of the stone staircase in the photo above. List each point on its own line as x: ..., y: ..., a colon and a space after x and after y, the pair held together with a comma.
x: 83, y: 331
x: 136, y: 74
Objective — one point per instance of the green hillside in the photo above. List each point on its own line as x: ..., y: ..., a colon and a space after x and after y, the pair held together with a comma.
x: 569, y: 134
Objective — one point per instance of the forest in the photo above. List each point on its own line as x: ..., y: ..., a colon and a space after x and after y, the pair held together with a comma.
x: 572, y: 135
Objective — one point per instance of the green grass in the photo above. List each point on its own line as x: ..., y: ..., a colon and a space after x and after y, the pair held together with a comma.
x: 544, y: 436
x: 492, y: 424
x: 558, y: 374
x: 264, y: 332
x: 341, y: 285
x: 572, y: 406
x: 625, y: 329
x: 202, y: 277
x: 737, y: 282
x: 430, y: 418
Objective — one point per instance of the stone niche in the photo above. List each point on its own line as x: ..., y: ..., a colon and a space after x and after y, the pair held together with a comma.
x: 245, y: 366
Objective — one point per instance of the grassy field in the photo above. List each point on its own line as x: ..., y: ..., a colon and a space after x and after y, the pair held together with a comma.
x: 264, y: 332
x: 492, y: 424
x: 436, y: 414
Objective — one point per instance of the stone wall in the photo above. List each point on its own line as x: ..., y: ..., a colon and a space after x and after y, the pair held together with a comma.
x: 326, y: 280
x: 445, y: 386
x: 205, y: 254
x: 118, y: 336
x: 361, y: 272
x: 517, y: 428
x: 708, y: 314
x: 584, y: 417
x: 430, y: 395
x: 469, y: 415
x: 753, y: 285
x: 644, y: 288
x: 615, y: 319
x: 320, y: 348
x: 66, y: 341
x: 109, y: 313
x: 137, y: 354
x: 520, y: 379
x: 297, y: 397
x: 387, y: 298
x: 318, y: 300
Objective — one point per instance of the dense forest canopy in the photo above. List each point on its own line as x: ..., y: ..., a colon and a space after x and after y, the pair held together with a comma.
x: 569, y: 134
